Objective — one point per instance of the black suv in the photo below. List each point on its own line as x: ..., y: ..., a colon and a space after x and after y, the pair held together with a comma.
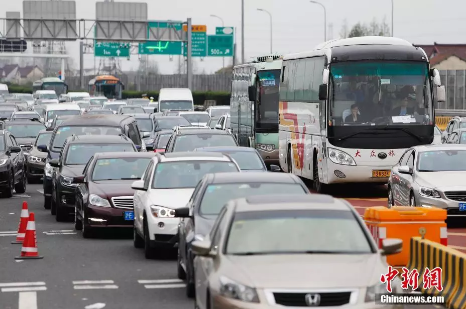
x: 189, y: 139
x: 85, y: 125
x: 12, y: 165
x: 25, y: 132
x: 75, y: 154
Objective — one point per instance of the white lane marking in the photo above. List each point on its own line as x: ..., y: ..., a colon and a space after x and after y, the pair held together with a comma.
x: 95, y: 306
x: 160, y: 281
x: 8, y: 232
x: 94, y: 282
x: 27, y: 300
x: 6, y: 285
x: 11, y: 213
x: 40, y: 191
x: 95, y: 287
x: 165, y: 286
x: 5, y: 235
x: 25, y: 289
x: 20, y: 196
x: 51, y: 234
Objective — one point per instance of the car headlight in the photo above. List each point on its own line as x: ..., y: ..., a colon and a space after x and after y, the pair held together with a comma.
x: 48, y: 170
x: 162, y: 212
x: 199, y: 237
x: 265, y: 147
x: 428, y: 192
x: 235, y: 290
x: 3, y: 161
x: 340, y: 157
x: 32, y: 159
x: 98, y: 201
x: 67, y: 181
x: 372, y: 291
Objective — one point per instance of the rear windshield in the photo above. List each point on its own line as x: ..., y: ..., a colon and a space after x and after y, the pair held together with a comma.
x: 163, y: 141
x: 196, y: 118
x: 52, y: 114
x: 64, y: 132
x: 168, y: 124
x: 191, y: 141
x: 79, y: 154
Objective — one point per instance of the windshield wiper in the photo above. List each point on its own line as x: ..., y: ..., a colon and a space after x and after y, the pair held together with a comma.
x: 132, y: 178
x: 403, y: 130
x: 365, y: 131
x: 375, y: 131
x: 295, y: 252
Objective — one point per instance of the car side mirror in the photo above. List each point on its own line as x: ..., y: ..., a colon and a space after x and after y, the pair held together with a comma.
x: 441, y: 95
x: 138, y: 185
x: 218, y: 126
x: 54, y: 163
x: 202, y: 248
x: 79, y: 179
x: 275, y: 168
x: 182, y: 212
x: 323, y: 92
x: 252, y: 93
x: 391, y: 246
x: 15, y: 149
x: 405, y: 170
x: 146, y: 134
x: 42, y: 148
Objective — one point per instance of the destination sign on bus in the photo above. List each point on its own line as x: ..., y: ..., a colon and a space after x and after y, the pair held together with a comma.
x: 107, y: 82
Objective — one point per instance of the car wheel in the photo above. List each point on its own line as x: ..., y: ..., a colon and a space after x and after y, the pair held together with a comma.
x: 138, y: 241
x: 78, y: 224
x: 190, y: 291
x: 61, y: 214
x: 149, y: 252
x: 9, y: 189
x: 391, y: 203
x: 412, y: 200
x: 53, y: 206
x: 87, y: 230
x: 20, y: 187
x: 180, y: 271
x: 318, y: 186
x: 47, y: 202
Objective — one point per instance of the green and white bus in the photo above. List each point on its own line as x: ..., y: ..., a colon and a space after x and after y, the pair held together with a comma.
x: 254, y: 105
x: 50, y: 83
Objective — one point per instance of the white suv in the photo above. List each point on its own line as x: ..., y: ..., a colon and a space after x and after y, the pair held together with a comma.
x: 167, y: 184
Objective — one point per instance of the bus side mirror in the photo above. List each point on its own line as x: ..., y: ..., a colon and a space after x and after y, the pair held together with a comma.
x: 441, y: 94
x: 436, y: 77
x: 252, y: 93
x: 323, y: 92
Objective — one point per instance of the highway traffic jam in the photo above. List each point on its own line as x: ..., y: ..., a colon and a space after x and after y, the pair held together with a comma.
x: 231, y: 206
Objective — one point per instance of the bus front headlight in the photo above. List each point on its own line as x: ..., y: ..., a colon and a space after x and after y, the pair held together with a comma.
x: 340, y: 157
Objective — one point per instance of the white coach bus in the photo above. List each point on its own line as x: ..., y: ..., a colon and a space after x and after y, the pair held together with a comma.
x: 350, y: 108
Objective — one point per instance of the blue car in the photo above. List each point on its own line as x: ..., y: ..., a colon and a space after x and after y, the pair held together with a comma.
x: 248, y: 159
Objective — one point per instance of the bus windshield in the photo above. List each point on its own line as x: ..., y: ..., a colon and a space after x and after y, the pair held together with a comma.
x: 176, y: 105
x: 267, y: 103
x: 110, y: 89
x: 60, y: 88
x: 380, y: 93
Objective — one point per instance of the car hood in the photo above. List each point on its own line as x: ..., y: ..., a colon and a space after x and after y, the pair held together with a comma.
x: 36, y: 153
x: 72, y: 170
x: 49, y: 101
x: 204, y: 224
x: 172, y: 198
x: 322, y: 270
x: 450, y: 181
x: 25, y: 140
x: 199, y: 124
x: 112, y: 188
x: 253, y: 171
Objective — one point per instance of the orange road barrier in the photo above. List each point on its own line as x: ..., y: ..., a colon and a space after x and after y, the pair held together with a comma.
x: 29, y: 250
x: 404, y: 223
x: 23, y: 222
x: 442, y: 121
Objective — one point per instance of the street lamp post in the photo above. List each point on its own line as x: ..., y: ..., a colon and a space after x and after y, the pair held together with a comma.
x: 223, y: 25
x: 271, y: 29
x: 392, y: 16
x: 325, y: 18
x: 242, y: 31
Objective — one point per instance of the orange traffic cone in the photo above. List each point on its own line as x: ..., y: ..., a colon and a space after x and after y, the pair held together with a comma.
x: 29, y: 250
x: 23, y: 222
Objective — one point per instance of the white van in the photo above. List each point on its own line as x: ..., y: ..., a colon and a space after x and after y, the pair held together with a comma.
x: 77, y: 96
x: 54, y: 110
x: 3, y: 89
x: 176, y: 99
x: 46, y: 96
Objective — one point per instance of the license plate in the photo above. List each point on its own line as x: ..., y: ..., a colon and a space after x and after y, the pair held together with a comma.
x: 380, y: 174
x: 462, y: 207
x: 129, y: 215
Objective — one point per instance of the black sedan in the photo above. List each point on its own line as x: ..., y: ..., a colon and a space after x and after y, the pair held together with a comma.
x: 12, y: 165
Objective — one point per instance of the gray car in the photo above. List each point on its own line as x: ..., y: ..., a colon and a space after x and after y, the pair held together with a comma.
x: 430, y: 176
x: 457, y: 137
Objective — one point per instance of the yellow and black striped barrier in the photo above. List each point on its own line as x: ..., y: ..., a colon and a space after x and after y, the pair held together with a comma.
x: 442, y: 121
x: 427, y: 254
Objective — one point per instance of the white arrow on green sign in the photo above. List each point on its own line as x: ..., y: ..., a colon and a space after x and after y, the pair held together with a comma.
x: 107, y: 49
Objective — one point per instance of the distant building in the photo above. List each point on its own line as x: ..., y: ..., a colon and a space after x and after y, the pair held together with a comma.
x: 446, y: 56
x: 15, y: 74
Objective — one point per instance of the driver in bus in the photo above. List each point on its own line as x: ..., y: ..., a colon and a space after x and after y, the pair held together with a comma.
x: 354, y: 117
x: 406, y: 97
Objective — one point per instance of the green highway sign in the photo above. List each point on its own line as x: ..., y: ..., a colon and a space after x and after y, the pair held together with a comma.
x: 225, y: 31
x: 220, y: 45
x: 107, y: 49
x: 161, y: 48
x: 199, y: 41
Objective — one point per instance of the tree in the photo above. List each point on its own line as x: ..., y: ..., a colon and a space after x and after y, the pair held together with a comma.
x: 358, y: 30
x: 344, y: 29
x: 361, y: 29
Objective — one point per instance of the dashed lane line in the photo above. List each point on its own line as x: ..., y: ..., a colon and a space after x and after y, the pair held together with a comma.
x: 25, y: 289
x: 6, y: 234
x: 22, y: 287
x: 95, y: 285
x: 40, y: 191
x: 10, y: 284
x: 162, y: 284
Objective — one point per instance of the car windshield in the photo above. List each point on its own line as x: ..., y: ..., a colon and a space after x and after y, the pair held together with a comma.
x: 84, y: 104
x: 64, y: 132
x: 163, y: 141
x: 176, y: 105
x: 196, y: 118
x: 25, y: 130
x: 217, y: 195
x: 79, y: 154
x: 380, y: 93
x: 213, y: 122
x: 26, y: 116
x: 442, y: 161
x: 217, y: 112
x: 73, y: 99
x: 186, y: 174
x: 98, y: 101
x: 114, y: 107
x: 145, y: 124
x: 141, y: 102
x: 100, y: 112
x: 192, y: 141
x: 288, y: 233
x: 48, y: 96
x: 120, y: 169
x: 6, y: 113
x: 25, y: 96
x: 133, y: 109
x: 168, y: 124
x: 53, y: 113
x: 247, y: 160
x: 43, y: 138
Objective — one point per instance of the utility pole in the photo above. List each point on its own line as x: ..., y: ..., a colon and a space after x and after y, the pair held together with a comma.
x: 393, y: 7
x: 189, y: 62
x: 242, y: 32
x: 81, y: 64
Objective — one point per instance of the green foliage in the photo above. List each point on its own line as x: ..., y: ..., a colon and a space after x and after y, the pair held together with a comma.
x: 374, y: 28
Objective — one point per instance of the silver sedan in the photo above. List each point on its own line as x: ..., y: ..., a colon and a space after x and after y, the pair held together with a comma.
x: 430, y: 176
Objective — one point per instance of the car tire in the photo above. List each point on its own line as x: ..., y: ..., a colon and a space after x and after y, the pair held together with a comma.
x: 53, y: 207
x: 138, y: 241
x: 20, y: 187
x: 149, y: 252
x: 390, y: 200
x: 317, y: 185
x: 181, y: 274
x: 9, y: 189
x: 31, y: 180
x: 190, y: 288
x: 61, y: 214
x: 47, y: 202
x: 412, y: 200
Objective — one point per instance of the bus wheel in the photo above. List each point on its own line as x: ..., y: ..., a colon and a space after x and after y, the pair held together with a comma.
x: 317, y: 185
x: 288, y: 161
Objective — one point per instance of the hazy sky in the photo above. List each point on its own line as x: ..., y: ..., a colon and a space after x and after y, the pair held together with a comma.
x: 297, y: 24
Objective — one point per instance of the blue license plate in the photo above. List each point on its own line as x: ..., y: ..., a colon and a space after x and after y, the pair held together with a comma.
x: 129, y: 215
x: 462, y: 207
